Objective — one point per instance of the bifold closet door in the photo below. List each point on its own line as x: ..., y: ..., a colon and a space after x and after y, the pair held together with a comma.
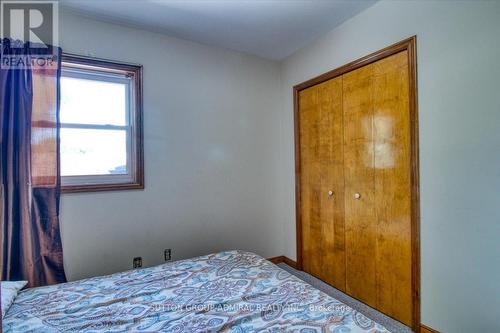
x: 322, y: 181
x: 377, y: 169
x: 360, y: 224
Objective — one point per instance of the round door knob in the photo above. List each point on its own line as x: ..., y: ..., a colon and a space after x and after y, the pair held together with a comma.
x: 357, y: 196
x: 330, y: 193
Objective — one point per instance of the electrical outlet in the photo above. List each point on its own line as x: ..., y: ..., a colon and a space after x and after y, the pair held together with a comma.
x: 167, y: 254
x: 137, y: 263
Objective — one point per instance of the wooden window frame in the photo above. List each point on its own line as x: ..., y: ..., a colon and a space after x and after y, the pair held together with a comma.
x: 135, y: 180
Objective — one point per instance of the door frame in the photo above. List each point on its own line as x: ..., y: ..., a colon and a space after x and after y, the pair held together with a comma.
x: 410, y: 45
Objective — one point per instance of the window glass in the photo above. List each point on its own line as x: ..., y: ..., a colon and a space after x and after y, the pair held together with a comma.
x: 93, y: 152
x: 85, y: 101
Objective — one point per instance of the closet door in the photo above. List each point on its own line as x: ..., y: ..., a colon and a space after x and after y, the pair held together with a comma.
x: 392, y: 143
x: 378, y: 186
x: 360, y: 221
x: 322, y: 181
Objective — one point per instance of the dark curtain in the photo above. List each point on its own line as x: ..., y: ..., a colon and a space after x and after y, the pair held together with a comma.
x: 31, y: 247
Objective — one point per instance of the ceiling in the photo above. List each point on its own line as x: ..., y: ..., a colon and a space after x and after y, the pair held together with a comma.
x: 271, y: 29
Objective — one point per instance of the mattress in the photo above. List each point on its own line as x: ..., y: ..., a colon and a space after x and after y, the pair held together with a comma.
x: 231, y: 291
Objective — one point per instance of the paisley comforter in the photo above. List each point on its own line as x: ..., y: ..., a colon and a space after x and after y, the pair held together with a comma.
x: 231, y: 291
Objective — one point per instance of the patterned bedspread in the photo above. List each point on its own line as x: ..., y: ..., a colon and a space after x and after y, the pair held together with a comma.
x: 231, y: 291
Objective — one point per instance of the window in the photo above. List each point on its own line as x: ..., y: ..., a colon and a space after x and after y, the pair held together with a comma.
x: 101, y: 125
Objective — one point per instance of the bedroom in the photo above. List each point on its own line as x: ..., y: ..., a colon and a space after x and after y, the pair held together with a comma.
x: 218, y: 140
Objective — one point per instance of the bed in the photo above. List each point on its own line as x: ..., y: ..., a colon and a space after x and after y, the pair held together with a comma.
x: 231, y: 291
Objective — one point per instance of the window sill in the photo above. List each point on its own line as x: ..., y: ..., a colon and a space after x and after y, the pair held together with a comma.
x: 101, y: 187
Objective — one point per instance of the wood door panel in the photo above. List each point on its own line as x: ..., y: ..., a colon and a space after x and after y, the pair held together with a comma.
x: 360, y: 231
x: 377, y: 165
x: 332, y: 168
x: 322, y: 171
x: 369, y: 107
x: 393, y: 186
x: 310, y: 208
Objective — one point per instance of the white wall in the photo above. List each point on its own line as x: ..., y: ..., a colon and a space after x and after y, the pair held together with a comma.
x: 210, y: 120
x: 459, y: 106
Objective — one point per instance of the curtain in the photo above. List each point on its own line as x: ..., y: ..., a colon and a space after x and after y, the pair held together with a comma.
x: 31, y: 247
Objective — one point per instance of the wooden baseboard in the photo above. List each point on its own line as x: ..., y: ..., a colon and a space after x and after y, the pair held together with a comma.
x: 286, y: 260
x: 427, y: 329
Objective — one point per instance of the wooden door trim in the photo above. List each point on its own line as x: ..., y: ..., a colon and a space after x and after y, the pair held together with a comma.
x: 410, y: 45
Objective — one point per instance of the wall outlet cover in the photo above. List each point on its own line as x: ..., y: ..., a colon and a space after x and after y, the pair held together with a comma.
x: 167, y: 254
x: 137, y: 262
